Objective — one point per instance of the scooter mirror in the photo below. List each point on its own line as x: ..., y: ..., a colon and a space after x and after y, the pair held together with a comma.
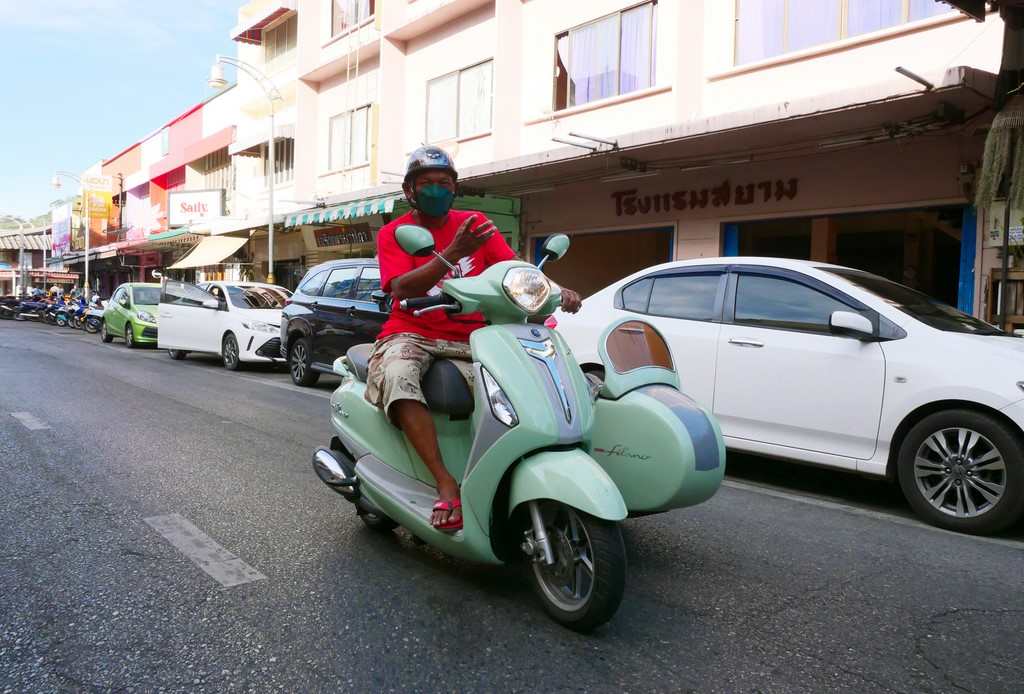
x: 415, y: 240
x: 555, y: 247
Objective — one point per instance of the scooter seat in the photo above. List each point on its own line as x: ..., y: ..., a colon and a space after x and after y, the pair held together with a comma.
x: 446, y: 390
x: 359, y: 358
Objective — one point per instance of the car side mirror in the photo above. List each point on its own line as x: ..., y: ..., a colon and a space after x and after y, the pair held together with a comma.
x: 415, y: 240
x: 123, y: 301
x: 851, y: 324
x: 382, y: 299
x: 211, y: 303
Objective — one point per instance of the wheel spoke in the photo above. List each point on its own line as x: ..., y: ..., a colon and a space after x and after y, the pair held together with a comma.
x: 936, y: 494
x: 574, y: 528
x: 972, y: 508
x: 990, y: 456
x: 926, y: 468
x: 584, y: 561
x: 937, y: 444
x: 990, y: 490
x: 577, y: 581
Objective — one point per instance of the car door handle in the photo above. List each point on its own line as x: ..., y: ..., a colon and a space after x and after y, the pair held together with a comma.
x: 745, y: 342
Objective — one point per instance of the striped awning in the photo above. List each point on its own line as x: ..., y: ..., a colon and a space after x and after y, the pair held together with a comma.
x: 348, y: 210
x: 28, y: 242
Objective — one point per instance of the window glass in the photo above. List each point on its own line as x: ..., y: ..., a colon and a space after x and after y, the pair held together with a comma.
x: 812, y: 22
x: 339, y: 284
x: 280, y: 41
x: 442, y: 107
x: 475, y: 85
x: 759, y: 29
x: 369, y: 282
x: 183, y: 294
x: 635, y: 345
x: 146, y: 296
x: 593, y: 56
x: 561, y: 72
x: 349, y: 143
x: 685, y: 296
x: 872, y: 15
x: 636, y: 295
x: 922, y: 9
x: 346, y: 14
x: 314, y: 284
x: 780, y: 303
x: 257, y: 297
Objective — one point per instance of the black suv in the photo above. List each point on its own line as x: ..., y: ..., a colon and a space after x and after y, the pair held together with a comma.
x: 335, y: 307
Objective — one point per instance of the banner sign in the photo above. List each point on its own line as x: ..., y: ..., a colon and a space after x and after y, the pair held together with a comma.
x: 60, y: 217
x: 189, y: 206
x: 343, y: 235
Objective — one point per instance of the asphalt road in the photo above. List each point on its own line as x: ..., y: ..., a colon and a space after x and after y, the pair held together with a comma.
x: 789, y: 580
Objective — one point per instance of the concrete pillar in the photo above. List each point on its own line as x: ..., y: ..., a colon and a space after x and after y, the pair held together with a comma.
x: 823, y: 240
x: 508, y: 79
x: 683, y: 22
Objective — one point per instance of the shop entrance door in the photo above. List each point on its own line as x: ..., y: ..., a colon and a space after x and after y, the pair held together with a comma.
x: 598, y: 259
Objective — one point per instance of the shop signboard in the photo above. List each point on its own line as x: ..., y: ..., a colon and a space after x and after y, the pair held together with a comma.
x: 185, y: 207
x: 994, y: 226
x: 633, y: 201
x: 343, y: 235
x: 60, y: 217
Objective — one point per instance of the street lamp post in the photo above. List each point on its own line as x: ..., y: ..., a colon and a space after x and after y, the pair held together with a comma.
x: 217, y: 81
x: 85, y: 216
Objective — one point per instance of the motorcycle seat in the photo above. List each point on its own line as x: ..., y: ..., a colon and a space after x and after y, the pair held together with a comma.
x: 444, y: 388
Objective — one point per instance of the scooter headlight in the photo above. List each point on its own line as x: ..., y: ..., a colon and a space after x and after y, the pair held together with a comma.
x: 527, y: 287
x: 501, y: 407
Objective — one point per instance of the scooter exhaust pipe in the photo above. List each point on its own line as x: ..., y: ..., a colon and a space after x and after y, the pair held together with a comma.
x: 336, y: 473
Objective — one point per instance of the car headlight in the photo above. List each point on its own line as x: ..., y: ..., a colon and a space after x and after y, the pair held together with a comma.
x: 501, y: 406
x: 261, y: 327
x: 527, y: 287
x: 146, y: 317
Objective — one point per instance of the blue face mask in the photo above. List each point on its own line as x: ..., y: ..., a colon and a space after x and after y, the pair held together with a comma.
x: 434, y: 200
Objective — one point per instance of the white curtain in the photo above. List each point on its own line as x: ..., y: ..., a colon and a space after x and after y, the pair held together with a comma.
x: 341, y: 131
x: 872, y: 15
x: 759, y: 32
x: 812, y: 22
x: 475, y: 89
x: 593, y: 55
x: 921, y: 9
x: 637, y: 56
x: 442, y: 97
x: 360, y: 123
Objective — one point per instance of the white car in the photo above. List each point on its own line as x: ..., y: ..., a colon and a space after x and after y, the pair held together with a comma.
x: 842, y: 368
x: 240, y: 321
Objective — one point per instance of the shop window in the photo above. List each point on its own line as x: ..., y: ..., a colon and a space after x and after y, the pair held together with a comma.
x: 459, y: 104
x: 339, y: 284
x: 691, y: 297
x: 216, y: 170
x: 607, y: 57
x: 767, y: 28
x: 165, y: 142
x: 284, y: 160
x: 347, y: 14
x: 349, y: 139
x: 773, y: 302
x: 280, y: 41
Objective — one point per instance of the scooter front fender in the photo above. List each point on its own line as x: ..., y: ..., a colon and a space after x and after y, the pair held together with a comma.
x: 571, y: 477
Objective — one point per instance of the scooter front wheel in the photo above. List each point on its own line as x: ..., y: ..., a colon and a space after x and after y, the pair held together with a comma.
x: 583, y: 588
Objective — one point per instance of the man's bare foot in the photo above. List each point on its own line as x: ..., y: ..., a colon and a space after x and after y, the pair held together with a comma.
x: 447, y: 491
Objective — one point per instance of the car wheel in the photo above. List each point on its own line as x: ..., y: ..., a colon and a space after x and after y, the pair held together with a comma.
x: 129, y: 336
x: 177, y: 354
x: 105, y: 334
x: 963, y: 471
x: 229, y: 353
x: 299, y: 363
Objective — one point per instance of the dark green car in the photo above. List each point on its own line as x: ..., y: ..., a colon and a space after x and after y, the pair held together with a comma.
x: 131, y: 314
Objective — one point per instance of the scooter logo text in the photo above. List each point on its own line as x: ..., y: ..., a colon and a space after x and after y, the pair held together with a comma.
x: 622, y: 452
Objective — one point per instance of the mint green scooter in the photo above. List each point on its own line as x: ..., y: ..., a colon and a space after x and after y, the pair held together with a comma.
x: 550, y: 460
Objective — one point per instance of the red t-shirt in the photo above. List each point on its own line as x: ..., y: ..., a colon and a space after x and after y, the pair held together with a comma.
x: 394, y: 262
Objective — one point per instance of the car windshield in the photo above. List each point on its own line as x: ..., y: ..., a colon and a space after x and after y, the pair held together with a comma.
x: 146, y: 296
x: 258, y: 297
x: 919, y: 305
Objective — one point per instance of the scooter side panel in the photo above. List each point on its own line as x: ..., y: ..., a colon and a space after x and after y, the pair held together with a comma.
x: 571, y: 477
x: 662, y: 450
x: 365, y: 428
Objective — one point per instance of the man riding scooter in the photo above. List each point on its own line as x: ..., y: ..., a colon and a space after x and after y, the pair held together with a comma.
x: 408, y: 344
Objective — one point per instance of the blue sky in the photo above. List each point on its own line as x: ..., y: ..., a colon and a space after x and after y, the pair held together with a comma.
x: 86, y: 78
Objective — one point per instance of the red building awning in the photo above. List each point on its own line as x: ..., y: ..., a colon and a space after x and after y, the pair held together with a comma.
x: 251, y: 31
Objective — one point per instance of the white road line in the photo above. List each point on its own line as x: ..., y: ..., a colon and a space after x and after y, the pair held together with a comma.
x: 30, y: 421
x: 226, y: 568
x: 878, y: 515
x: 288, y: 386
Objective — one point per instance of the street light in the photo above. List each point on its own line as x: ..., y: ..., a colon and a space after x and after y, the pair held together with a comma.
x: 217, y: 81
x: 55, y: 182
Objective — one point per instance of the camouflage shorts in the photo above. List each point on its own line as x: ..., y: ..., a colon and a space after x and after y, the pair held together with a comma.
x: 399, y: 362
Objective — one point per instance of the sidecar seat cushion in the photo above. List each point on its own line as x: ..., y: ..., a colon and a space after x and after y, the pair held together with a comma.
x: 446, y: 391
x: 359, y: 358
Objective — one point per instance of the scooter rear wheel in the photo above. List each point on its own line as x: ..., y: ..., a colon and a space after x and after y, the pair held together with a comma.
x: 374, y: 518
x: 584, y: 587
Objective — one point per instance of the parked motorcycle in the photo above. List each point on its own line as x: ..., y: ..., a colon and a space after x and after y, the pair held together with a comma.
x: 31, y: 309
x: 92, y: 320
x: 8, y: 306
x: 550, y: 460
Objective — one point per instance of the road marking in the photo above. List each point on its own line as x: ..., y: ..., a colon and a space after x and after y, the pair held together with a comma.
x: 226, y: 568
x: 878, y: 515
x: 288, y: 386
x: 30, y: 421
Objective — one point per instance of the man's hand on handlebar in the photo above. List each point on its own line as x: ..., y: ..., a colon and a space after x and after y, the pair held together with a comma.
x: 571, y: 301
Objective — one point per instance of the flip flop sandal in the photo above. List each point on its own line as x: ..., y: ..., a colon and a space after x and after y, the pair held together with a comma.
x: 449, y: 525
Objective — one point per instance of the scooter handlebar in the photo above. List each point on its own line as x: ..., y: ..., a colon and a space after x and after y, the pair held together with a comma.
x: 423, y: 302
